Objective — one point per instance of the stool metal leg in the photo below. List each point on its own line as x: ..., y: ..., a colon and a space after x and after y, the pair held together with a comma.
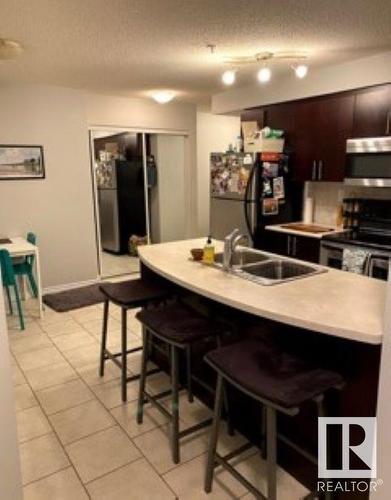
x: 322, y: 413
x: 124, y: 359
x: 230, y: 426
x: 214, y: 434
x: 104, y: 338
x: 143, y: 375
x: 271, y: 444
x: 188, y: 375
x: 175, y: 405
x: 263, y: 432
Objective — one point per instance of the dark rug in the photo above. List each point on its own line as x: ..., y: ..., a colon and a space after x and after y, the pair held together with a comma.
x: 74, y: 298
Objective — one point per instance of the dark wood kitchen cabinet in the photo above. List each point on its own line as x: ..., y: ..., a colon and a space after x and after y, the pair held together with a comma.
x: 332, y: 126
x: 316, y: 131
x: 254, y: 115
x: 291, y: 245
x: 295, y: 119
x: 372, y: 112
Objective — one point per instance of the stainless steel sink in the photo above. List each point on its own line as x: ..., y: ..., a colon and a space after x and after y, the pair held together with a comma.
x: 278, y: 271
x: 266, y: 269
x: 242, y: 257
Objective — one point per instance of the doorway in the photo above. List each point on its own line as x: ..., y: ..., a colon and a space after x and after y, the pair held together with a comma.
x: 139, y: 184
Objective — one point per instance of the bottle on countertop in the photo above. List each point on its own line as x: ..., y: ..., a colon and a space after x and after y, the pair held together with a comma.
x: 209, y: 251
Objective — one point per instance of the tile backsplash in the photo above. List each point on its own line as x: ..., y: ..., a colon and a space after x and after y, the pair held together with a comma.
x: 328, y: 195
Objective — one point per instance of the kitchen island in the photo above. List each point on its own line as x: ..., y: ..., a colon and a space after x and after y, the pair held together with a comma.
x: 335, y: 319
x: 336, y: 303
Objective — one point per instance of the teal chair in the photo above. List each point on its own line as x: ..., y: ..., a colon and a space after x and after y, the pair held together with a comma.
x: 26, y: 266
x: 9, y: 281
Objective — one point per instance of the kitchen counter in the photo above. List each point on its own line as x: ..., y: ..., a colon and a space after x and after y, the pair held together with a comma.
x: 287, y: 230
x: 335, y: 303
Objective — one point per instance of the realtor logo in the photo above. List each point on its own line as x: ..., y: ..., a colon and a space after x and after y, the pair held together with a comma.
x: 347, y: 447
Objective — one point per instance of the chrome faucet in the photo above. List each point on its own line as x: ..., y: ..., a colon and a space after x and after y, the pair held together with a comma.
x: 231, y: 241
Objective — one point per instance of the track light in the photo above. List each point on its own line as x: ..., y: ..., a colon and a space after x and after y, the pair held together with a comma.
x: 229, y: 77
x: 301, y: 70
x: 264, y: 74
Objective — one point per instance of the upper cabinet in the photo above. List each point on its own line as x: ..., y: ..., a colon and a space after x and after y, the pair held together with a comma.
x: 372, y: 112
x: 332, y: 126
x: 254, y: 115
x: 316, y: 129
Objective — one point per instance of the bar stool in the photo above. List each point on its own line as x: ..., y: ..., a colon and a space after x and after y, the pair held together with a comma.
x: 130, y: 294
x: 179, y: 327
x: 280, y: 381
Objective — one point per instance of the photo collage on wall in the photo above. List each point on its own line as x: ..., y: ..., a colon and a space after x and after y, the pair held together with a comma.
x: 274, y: 168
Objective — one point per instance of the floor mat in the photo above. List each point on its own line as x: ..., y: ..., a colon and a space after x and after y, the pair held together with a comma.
x: 74, y: 298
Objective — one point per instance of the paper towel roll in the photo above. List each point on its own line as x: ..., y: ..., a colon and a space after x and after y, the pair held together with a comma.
x: 308, y: 215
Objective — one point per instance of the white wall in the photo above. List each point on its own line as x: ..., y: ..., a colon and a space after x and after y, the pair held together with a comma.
x: 10, y: 475
x: 214, y: 134
x: 59, y: 208
x: 168, y: 210
x: 354, y: 74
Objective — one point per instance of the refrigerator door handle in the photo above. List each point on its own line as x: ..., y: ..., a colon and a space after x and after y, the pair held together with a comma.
x: 248, y: 203
x: 288, y: 247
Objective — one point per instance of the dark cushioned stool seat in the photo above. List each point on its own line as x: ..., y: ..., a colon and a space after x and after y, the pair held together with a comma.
x: 266, y: 372
x: 132, y: 293
x: 179, y: 323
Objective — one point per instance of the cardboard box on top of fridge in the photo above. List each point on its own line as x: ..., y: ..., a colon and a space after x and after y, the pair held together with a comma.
x: 254, y: 142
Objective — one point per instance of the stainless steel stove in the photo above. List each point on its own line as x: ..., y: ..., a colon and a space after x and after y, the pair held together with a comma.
x: 370, y: 230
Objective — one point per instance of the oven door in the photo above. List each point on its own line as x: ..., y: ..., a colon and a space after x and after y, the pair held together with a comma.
x: 379, y: 267
x: 368, y: 162
x: 331, y: 255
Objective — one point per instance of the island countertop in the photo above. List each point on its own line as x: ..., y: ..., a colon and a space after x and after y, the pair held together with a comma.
x: 336, y: 303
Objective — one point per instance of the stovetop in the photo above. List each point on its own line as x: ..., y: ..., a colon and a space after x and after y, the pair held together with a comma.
x: 380, y: 241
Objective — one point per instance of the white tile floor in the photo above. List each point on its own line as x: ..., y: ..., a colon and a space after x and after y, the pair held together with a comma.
x: 117, y: 265
x: 78, y: 441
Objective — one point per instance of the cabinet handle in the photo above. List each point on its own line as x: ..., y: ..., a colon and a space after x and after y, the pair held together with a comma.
x: 294, y: 246
x: 288, y: 248
x: 320, y: 170
x: 314, y: 170
x: 388, y: 122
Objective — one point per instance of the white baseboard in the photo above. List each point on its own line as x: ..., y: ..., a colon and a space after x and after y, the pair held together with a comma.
x: 69, y: 286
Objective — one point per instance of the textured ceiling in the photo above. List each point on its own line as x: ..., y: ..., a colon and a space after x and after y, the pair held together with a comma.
x: 127, y: 47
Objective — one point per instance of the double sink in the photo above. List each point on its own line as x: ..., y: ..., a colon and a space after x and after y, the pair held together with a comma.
x: 266, y: 269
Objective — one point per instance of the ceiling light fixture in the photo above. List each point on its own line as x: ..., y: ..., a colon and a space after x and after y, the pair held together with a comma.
x: 10, y: 49
x: 264, y: 74
x: 163, y: 96
x: 229, y: 77
x: 301, y: 70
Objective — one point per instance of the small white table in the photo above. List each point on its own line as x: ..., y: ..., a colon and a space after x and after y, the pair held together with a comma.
x: 20, y: 247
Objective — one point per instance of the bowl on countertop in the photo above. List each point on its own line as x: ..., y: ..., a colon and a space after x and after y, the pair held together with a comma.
x: 197, y: 253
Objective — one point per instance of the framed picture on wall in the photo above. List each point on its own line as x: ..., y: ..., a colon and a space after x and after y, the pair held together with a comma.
x: 21, y: 162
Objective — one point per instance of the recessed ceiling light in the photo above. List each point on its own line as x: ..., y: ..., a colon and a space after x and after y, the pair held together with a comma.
x: 264, y: 74
x: 229, y: 77
x: 163, y: 96
x: 10, y: 49
x: 301, y: 70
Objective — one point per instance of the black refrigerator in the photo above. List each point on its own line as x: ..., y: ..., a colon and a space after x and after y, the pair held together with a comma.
x: 121, y: 203
x: 251, y: 191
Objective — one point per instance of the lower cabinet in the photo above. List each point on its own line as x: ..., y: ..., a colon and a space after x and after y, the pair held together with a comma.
x: 290, y: 245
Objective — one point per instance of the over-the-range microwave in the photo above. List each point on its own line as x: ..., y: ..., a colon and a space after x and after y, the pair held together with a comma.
x: 368, y: 162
